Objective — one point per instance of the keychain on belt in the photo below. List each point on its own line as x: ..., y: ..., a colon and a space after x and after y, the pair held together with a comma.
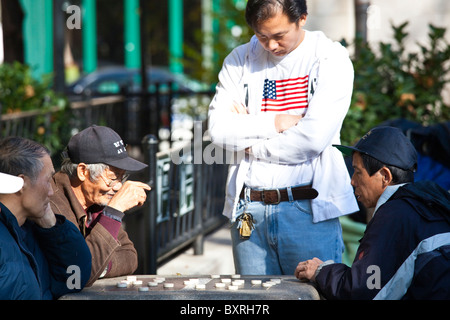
x: 245, y: 224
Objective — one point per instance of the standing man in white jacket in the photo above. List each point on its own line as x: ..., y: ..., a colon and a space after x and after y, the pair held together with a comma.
x: 279, y: 105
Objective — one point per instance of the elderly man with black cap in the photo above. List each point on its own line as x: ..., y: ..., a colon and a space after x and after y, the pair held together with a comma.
x: 405, y: 250
x: 91, y: 191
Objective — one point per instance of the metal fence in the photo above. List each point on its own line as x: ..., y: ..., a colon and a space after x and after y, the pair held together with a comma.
x: 25, y: 124
x: 54, y: 127
x: 132, y: 115
x: 184, y: 205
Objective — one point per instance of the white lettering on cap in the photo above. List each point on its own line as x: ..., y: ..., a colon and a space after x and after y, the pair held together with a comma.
x: 120, y: 147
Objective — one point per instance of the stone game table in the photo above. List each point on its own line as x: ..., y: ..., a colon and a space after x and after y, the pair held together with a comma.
x: 198, y: 287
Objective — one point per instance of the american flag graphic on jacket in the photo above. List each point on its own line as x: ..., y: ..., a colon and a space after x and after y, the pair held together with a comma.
x: 284, y: 95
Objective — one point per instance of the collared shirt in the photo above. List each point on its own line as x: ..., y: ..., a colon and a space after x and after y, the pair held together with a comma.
x: 387, y: 193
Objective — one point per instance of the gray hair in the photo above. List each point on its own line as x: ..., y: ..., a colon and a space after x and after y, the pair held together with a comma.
x: 95, y: 169
x: 22, y: 156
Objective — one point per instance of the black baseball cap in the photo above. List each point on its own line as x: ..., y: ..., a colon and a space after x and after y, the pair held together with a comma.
x: 98, y: 144
x: 388, y: 145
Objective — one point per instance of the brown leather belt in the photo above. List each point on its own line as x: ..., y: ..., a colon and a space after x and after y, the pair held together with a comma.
x: 277, y: 195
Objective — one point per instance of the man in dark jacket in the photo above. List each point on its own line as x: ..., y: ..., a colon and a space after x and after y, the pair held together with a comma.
x: 405, y: 250
x: 42, y: 255
x: 91, y: 191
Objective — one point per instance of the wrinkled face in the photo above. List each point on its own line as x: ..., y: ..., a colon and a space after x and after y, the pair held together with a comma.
x: 100, y: 192
x: 36, y: 193
x: 278, y: 35
x: 368, y: 189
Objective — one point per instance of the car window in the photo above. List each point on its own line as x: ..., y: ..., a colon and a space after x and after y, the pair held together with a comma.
x: 108, y: 87
x: 112, y: 83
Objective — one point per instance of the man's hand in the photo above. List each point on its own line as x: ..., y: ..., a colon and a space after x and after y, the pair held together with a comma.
x: 48, y: 220
x: 307, y: 269
x: 131, y: 194
x: 238, y: 108
x: 282, y: 121
x: 286, y: 121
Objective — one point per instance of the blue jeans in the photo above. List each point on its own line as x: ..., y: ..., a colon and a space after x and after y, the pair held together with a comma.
x: 284, y: 235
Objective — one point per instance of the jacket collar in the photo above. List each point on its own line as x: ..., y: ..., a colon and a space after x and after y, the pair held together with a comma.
x: 63, y: 189
x: 387, y: 193
x: 9, y: 220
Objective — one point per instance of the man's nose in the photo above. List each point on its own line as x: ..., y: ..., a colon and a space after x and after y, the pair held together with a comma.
x: 272, y: 44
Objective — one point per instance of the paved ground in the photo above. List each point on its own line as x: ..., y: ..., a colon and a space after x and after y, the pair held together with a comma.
x: 217, y: 257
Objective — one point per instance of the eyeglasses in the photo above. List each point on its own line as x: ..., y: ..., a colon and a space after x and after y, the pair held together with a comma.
x: 113, y: 182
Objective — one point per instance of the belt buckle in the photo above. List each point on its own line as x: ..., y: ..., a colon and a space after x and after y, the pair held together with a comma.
x: 263, y: 198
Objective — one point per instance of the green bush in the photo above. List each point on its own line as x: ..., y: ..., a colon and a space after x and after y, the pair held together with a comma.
x: 395, y: 84
x: 19, y: 92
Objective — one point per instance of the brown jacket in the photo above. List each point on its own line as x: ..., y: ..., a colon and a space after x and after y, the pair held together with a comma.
x: 104, y: 248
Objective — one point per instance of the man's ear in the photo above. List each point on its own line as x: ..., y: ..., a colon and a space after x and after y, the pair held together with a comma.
x: 386, y: 175
x: 82, y: 172
x: 26, y: 181
x: 302, y: 20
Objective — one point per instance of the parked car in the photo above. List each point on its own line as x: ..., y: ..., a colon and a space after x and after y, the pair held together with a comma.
x: 114, y: 80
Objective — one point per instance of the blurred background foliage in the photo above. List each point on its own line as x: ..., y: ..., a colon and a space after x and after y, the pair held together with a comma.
x: 391, y: 83
x: 20, y: 92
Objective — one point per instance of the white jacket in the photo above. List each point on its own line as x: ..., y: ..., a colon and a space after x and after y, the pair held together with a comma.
x: 330, y: 90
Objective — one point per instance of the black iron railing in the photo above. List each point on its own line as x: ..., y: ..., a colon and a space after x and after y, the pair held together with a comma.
x: 184, y: 205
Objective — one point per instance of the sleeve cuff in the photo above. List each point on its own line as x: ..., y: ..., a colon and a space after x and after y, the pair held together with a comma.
x: 113, y: 213
x: 326, y: 263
